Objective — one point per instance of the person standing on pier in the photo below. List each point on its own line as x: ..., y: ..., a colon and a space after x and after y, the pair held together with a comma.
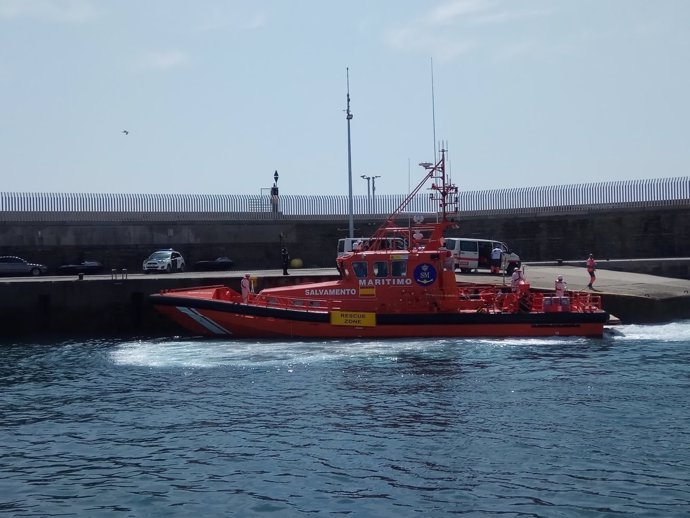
x: 591, y: 268
x: 285, y: 256
x: 496, y: 255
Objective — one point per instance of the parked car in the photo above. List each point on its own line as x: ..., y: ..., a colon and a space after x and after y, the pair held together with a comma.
x: 164, y: 261
x: 470, y: 253
x: 218, y: 264
x: 83, y: 267
x: 13, y: 265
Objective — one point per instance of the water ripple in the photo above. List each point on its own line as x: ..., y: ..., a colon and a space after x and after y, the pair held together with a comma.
x: 557, y: 427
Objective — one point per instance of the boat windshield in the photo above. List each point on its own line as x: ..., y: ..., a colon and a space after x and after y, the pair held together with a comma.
x: 360, y: 268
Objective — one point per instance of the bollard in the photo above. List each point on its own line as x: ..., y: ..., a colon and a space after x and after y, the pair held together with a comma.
x: 124, y: 273
x: 80, y: 276
x: 113, y: 274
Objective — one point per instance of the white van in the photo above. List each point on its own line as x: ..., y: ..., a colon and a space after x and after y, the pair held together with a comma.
x: 346, y: 244
x: 474, y: 254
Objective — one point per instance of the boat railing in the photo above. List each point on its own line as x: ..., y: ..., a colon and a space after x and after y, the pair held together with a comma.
x: 302, y: 304
x: 572, y: 301
x: 494, y: 299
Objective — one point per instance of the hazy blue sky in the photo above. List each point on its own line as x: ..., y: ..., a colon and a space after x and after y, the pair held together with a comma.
x: 217, y: 94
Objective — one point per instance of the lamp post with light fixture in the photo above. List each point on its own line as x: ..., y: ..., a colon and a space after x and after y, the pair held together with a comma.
x: 368, y: 179
x: 373, y: 192
x: 349, y: 161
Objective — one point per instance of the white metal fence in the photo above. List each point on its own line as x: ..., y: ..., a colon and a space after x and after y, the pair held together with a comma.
x: 138, y: 207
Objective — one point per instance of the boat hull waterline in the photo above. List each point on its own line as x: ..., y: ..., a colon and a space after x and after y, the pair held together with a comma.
x: 222, y: 318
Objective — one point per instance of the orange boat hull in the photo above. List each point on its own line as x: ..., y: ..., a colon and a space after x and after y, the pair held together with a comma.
x: 215, y: 318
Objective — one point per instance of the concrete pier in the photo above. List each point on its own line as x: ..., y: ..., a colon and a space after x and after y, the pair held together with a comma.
x: 100, y: 306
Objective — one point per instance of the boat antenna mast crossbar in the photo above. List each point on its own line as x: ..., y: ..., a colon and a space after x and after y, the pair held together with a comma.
x: 443, y: 192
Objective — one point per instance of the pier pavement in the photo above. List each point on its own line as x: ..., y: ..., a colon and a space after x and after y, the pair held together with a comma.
x: 608, y: 281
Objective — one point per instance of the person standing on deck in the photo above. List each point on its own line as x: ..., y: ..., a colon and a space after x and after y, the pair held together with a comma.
x: 447, y: 255
x: 244, y: 283
x: 517, y: 279
x: 591, y: 268
x: 561, y: 286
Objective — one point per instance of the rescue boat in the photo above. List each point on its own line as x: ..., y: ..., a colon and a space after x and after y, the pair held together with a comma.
x: 390, y: 291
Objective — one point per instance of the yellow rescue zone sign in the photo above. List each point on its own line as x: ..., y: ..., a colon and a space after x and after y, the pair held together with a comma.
x: 353, y: 318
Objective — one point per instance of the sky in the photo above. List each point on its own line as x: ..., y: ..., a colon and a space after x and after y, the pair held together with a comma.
x: 216, y: 95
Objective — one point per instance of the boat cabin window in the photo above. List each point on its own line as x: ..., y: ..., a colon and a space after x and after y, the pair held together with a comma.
x: 381, y: 269
x: 399, y: 268
x: 360, y: 268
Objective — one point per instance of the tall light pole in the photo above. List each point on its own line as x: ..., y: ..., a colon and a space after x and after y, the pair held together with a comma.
x: 368, y: 179
x: 349, y: 158
x: 373, y: 192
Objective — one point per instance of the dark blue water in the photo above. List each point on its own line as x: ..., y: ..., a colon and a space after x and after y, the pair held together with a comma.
x: 555, y: 427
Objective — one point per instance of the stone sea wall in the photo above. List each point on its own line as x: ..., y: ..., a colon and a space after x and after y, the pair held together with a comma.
x: 609, y: 234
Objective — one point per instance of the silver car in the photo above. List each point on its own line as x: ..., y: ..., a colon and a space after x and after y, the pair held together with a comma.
x: 13, y: 265
x: 164, y: 261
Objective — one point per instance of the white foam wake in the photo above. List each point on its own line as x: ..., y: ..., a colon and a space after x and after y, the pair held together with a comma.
x: 673, y: 332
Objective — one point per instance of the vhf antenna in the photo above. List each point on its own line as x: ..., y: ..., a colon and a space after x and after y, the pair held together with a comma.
x: 433, y: 109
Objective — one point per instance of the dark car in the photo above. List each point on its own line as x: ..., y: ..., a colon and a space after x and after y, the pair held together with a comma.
x: 218, y: 264
x: 13, y: 265
x: 85, y: 267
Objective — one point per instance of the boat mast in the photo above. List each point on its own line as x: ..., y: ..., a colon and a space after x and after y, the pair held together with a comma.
x: 349, y: 159
x: 433, y: 109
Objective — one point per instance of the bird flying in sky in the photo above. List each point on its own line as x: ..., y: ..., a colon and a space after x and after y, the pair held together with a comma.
x: 126, y: 132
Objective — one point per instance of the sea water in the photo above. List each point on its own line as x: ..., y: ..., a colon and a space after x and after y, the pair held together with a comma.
x: 475, y: 427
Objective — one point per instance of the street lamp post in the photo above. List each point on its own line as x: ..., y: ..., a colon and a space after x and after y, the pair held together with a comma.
x: 373, y: 192
x: 349, y: 160
x: 368, y: 179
